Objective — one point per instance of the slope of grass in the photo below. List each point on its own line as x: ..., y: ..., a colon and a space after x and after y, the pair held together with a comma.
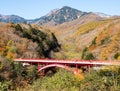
x: 90, y: 26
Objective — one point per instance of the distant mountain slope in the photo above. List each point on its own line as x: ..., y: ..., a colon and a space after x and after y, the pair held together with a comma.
x: 71, y: 26
x: 59, y: 16
x: 12, y: 18
x: 102, y: 14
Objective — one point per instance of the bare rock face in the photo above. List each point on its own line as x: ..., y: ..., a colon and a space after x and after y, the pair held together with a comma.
x: 59, y: 16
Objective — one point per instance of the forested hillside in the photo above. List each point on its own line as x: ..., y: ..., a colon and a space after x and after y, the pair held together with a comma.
x: 26, y: 41
x: 22, y: 41
x: 99, y: 37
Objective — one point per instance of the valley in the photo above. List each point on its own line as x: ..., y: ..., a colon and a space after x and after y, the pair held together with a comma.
x: 62, y: 34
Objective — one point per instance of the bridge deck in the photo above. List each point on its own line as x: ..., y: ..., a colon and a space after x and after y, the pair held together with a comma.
x: 69, y: 62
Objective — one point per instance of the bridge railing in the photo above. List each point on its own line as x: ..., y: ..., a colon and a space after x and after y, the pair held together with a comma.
x: 69, y: 62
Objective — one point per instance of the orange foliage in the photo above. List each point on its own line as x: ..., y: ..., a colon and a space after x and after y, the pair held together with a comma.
x: 92, y: 47
x: 113, y: 46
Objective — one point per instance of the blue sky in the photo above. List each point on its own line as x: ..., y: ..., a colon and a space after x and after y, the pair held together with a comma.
x: 31, y: 9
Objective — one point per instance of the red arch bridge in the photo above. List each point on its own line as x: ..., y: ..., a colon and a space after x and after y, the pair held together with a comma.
x: 66, y: 64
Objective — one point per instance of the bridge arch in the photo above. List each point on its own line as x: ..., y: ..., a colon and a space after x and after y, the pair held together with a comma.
x: 55, y: 65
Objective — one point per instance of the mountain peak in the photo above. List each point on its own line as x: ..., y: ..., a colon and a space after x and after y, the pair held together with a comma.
x: 59, y: 16
x: 69, y: 9
x: 66, y: 7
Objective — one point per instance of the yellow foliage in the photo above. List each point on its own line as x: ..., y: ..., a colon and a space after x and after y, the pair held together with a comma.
x: 9, y: 43
x: 89, y: 26
x: 73, y: 55
x: 112, y: 68
x: 1, y: 65
x: 60, y: 55
x: 79, y: 75
x: 118, y: 58
x: 10, y: 55
x: 113, y: 45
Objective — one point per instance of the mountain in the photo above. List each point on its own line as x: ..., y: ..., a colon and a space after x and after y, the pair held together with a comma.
x: 12, y: 18
x: 59, y: 16
x: 54, y: 17
x: 102, y: 14
x: 97, y: 37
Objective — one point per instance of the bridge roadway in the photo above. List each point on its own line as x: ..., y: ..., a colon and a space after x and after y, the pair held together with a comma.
x: 68, y: 62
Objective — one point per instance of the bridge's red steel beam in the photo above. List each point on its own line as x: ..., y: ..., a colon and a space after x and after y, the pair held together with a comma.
x: 67, y: 62
x: 55, y: 65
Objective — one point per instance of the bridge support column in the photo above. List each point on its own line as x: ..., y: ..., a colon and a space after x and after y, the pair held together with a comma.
x: 76, y: 71
x: 39, y: 67
x: 77, y: 68
x: 88, y: 68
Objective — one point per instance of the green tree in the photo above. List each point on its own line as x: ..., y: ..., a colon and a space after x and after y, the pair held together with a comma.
x: 18, y: 28
x: 84, y: 52
x: 89, y: 56
x: 94, y: 41
x: 116, y: 55
x: 19, y: 69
